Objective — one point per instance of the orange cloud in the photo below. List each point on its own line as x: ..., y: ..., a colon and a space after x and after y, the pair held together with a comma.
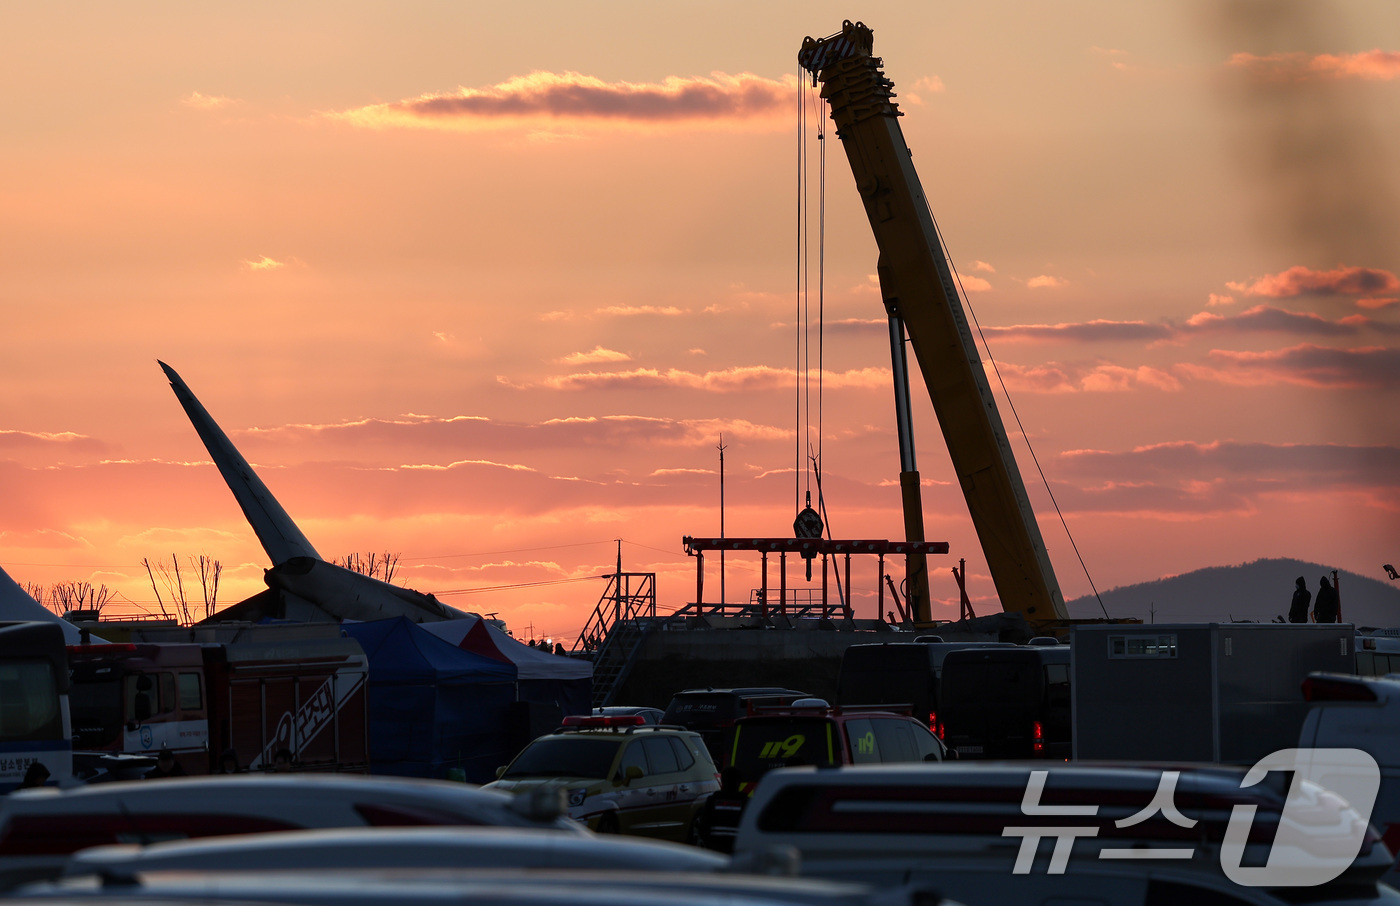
x: 627, y: 311
x: 741, y: 378
x: 1377, y: 303
x: 1298, y: 281
x: 1045, y: 280
x: 205, y: 102
x: 264, y: 263
x: 599, y: 354
x: 983, y: 266
x: 975, y: 284
x: 717, y: 100
x: 1373, y: 65
x: 1217, y: 299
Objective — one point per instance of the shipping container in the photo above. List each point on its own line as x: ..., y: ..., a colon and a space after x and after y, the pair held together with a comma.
x: 1204, y: 692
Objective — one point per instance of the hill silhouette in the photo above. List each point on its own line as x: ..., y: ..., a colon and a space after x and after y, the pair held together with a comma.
x: 1259, y: 590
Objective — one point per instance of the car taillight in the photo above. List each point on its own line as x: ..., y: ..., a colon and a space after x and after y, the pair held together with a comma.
x: 1336, y: 689
x: 933, y: 721
x: 939, y: 731
x: 1037, y: 738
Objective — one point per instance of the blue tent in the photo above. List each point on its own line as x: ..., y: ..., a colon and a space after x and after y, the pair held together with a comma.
x: 433, y: 706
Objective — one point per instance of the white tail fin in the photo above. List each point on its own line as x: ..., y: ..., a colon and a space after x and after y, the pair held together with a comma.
x: 276, y: 531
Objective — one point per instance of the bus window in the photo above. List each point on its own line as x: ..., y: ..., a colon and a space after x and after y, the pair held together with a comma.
x: 167, y: 692
x: 28, y: 701
x: 190, y: 697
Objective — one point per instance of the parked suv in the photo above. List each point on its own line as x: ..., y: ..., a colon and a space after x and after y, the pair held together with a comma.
x: 809, y: 731
x: 621, y: 776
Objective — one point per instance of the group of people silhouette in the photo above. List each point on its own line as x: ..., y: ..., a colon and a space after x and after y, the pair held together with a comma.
x: 1327, y: 608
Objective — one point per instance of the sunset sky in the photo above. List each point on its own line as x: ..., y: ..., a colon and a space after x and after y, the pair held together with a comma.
x: 482, y: 286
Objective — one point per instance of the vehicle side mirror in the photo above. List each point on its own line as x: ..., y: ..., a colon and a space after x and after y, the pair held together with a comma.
x: 501, y: 771
x: 632, y: 773
x: 950, y: 752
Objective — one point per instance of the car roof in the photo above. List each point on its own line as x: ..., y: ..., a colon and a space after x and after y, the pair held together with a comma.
x: 289, y: 797
x: 399, y: 847
x: 395, y: 886
x: 1008, y: 779
x: 742, y: 691
x: 839, y: 715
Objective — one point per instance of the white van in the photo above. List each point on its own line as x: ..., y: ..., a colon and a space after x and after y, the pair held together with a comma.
x: 1356, y: 712
x: 960, y: 827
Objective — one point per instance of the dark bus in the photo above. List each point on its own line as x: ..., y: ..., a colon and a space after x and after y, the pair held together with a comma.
x: 899, y: 673
x: 34, y: 722
x: 1007, y: 702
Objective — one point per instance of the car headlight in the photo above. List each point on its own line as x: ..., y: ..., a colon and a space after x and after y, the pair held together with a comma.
x: 577, y: 795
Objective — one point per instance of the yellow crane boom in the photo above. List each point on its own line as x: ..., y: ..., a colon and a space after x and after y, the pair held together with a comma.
x: 917, y: 287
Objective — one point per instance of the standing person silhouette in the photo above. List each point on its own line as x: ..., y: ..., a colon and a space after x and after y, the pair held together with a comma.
x: 1298, y: 610
x: 1328, y: 603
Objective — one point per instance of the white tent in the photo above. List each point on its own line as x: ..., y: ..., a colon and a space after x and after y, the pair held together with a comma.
x: 487, y: 640
x: 16, y: 604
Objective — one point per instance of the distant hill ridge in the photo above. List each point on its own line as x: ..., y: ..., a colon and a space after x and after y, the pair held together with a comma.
x: 1259, y: 590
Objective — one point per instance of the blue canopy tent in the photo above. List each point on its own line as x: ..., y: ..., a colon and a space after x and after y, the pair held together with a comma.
x: 433, y: 706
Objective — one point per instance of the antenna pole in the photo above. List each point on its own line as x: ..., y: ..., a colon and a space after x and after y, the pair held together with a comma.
x: 722, y: 599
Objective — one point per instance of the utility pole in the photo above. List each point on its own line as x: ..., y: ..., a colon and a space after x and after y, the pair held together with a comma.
x: 720, y: 447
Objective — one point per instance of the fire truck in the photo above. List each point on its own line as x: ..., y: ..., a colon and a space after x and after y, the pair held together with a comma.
x: 253, y: 698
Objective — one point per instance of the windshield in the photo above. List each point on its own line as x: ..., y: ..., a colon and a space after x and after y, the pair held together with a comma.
x: 565, y: 756
x: 96, y: 707
x: 29, y: 695
x: 767, y: 743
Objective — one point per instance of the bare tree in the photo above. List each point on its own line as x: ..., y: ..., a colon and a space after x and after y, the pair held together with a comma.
x: 41, y: 594
x: 66, y: 596
x: 376, y: 566
x: 206, y: 569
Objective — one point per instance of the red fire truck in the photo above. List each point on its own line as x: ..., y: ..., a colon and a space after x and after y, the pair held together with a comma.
x: 200, y: 700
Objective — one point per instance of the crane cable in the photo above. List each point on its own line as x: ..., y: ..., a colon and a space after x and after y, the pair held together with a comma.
x: 811, y: 469
x: 967, y: 302
x: 798, y: 321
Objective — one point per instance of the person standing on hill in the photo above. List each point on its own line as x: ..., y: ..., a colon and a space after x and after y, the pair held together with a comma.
x: 1328, y: 603
x: 1298, y: 610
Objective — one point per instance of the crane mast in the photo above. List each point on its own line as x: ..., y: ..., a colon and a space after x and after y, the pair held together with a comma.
x: 916, y: 285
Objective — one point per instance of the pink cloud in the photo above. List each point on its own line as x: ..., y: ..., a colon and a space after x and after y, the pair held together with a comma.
x: 1298, y: 281
x: 974, y: 284
x: 1377, y: 303
x: 718, y: 99
x: 1370, y: 367
x: 983, y: 266
x: 1083, y: 330
x: 1045, y: 280
x: 1217, y: 299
